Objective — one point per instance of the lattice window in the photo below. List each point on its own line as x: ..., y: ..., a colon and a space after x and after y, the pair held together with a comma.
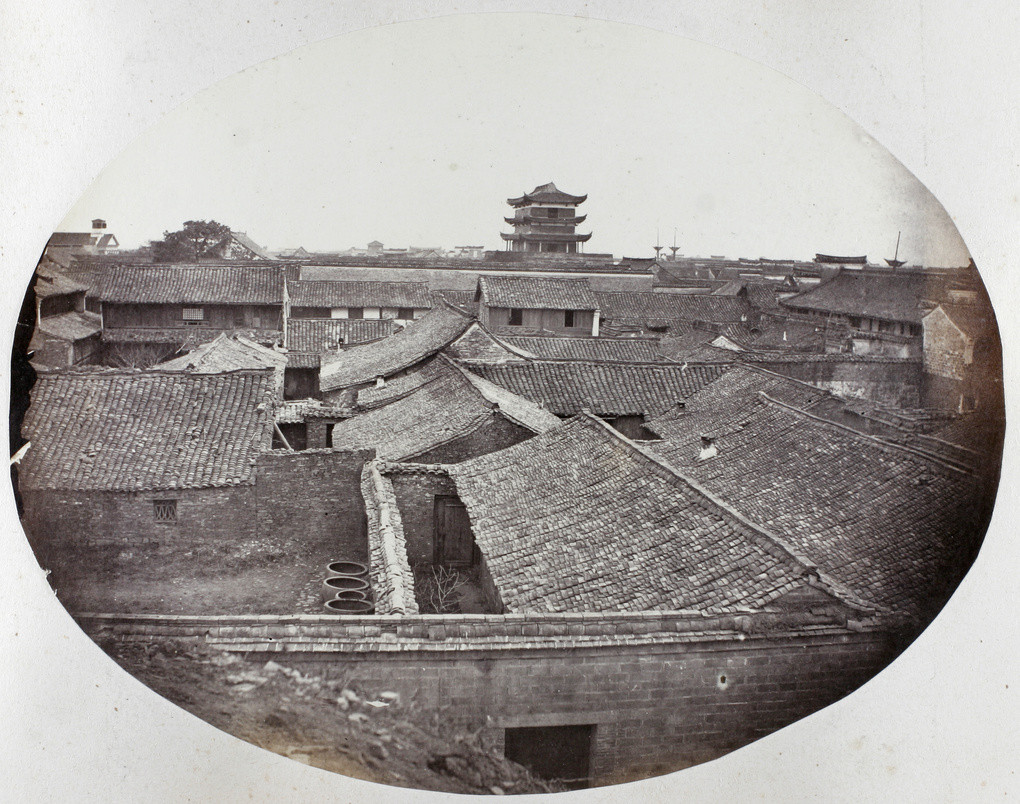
x: 194, y: 314
x: 164, y: 510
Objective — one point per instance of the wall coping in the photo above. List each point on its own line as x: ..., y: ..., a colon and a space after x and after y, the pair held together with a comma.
x: 326, y: 633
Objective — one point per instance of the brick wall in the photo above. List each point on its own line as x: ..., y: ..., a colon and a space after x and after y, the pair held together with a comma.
x: 663, y: 690
x: 306, y: 495
x: 105, y: 518
x: 416, y: 492
x: 106, y: 549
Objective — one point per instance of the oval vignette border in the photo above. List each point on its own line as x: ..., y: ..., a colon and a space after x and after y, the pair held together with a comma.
x: 996, y: 288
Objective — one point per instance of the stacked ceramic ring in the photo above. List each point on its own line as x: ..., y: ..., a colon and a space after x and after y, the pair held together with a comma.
x: 346, y: 590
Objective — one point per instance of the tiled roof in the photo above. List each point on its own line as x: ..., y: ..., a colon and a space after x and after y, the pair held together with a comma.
x: 722, y: 405
x: 444, y: 408
x: 762, y: 296
x: 187, y: 336
x: 417, y: 341
x: 71, y: 326
x: 307, y: 293
x: 230, y: 353
x: 251, y: 245
x: 52, y: 282
x: 516, y: 408
x: 400, y: 385
x: 391, y: 574
x: 134, y: 431
x: 176, y: 284
x: 464, y: 299
x: 537, y: 293
x: 652, y: 306
x: 891, y: 524
x: 628, y: 350
x: 548, y: 194
x: 886, y: 295
x: 581, y: 519
x: 317, y: 335
x: 226, y: 353
x: 790, y: 335
x: 73, y: 239
x: 86, y: 274
x: 975, y: 321
x: 606, y: 389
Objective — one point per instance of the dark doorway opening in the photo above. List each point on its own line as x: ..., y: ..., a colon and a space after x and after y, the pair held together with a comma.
x: 560, y: 753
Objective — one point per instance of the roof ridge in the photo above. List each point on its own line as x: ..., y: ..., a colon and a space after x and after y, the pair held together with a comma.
x: 770, y: 539
x: 111, y: 372
x: 889, y: 445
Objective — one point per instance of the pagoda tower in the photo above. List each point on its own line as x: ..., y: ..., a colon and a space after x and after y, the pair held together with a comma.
x: 544, y: 222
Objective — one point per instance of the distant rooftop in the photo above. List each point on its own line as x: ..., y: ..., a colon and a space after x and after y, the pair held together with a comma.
x: 197, y: 284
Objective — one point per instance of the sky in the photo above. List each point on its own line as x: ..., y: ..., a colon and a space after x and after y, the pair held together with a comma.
x: 417, y: 133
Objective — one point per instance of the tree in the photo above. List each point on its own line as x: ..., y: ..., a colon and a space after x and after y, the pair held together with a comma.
x: 196, y: 241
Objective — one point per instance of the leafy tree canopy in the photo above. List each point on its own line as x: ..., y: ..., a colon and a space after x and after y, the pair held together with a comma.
x: 196, y: 241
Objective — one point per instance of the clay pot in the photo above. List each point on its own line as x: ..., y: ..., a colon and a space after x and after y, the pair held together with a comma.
x: 355, y: 568
x: 339, y: 583
x: 339, y: 606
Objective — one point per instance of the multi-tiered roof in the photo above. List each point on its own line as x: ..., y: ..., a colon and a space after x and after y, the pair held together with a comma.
x: 544, y: 221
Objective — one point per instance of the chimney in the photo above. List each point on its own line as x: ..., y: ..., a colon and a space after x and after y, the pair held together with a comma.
x: 708, y: 449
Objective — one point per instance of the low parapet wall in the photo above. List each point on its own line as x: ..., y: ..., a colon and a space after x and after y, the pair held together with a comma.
x: 659, y: 690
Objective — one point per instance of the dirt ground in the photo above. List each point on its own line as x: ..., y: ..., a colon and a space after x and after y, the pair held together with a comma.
x: 363, y: 733
x: 150, y: 581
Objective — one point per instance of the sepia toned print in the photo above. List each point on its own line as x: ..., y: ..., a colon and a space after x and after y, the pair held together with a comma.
x: 503, y: 520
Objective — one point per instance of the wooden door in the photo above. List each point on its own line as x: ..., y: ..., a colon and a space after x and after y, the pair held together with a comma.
x: 455, y: 543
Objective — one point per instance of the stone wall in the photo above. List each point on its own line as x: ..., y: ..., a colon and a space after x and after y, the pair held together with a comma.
x: 662, y: 690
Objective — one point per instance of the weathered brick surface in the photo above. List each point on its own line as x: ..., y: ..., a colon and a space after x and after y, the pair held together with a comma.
x: 658, y: 703
x: 59, y: 519
x: 312, y: 492
x: 416, y: 493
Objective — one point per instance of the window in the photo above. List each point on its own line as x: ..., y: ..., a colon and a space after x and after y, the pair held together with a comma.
x: 239, y: 317
x: 293, y: 436
x: 516, y: 317
x: 568, y: 318
x: 405, y: 313
x: 164, y: 510
x: 356, y: 313
x: 193, y: 315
